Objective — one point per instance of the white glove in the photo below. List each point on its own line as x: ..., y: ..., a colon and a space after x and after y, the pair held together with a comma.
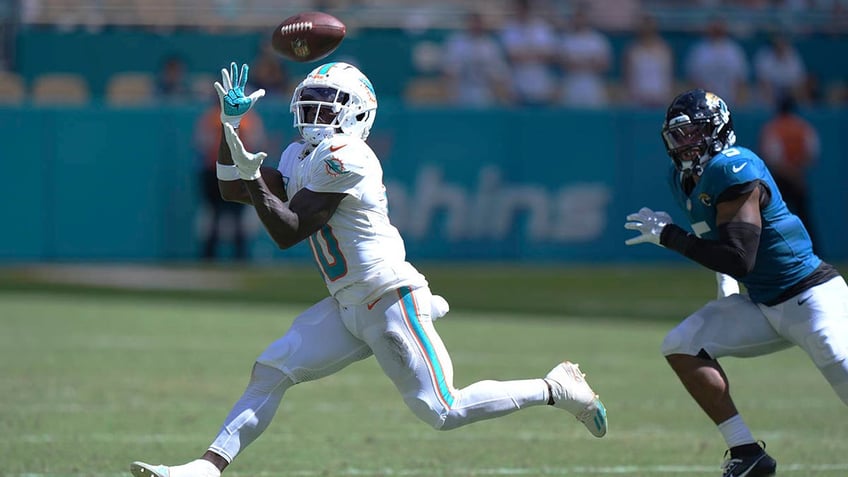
x: 234, y: 104
x: 727, y: 285
x: 649, y: 224
x: 247, y: 163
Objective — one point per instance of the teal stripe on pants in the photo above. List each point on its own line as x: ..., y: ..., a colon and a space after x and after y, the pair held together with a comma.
x: 409, y: 307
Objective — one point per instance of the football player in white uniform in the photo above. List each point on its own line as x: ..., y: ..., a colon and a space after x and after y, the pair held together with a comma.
x: 328, y: 189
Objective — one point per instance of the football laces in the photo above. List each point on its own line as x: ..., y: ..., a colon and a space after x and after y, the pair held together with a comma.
x: 296, y: 27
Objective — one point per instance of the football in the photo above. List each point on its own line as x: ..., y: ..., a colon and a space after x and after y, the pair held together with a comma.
x: 308, y: 36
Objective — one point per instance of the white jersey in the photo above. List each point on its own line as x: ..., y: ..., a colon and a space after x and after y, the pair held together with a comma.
x: 359, y: 252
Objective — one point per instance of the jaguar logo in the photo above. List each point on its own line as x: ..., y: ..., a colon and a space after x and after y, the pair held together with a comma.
x: 705, y: 199
x: 718, y: 104
x: 300, y: 47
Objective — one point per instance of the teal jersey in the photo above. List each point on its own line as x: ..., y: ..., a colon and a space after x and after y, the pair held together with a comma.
x: 785, y: 255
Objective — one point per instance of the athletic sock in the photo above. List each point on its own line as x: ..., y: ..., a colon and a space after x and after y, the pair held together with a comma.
x: 550, y: 401
x: 736, y: 433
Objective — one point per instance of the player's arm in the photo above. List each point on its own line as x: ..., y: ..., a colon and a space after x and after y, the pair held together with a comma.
x: 307, y: 212
x: 232, y: 188
x: 234, y: 105
x: 287, y: 224
x: 739, y: 226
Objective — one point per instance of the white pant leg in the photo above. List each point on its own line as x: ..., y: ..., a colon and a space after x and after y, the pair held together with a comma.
x: 730, y: 326
x: 316, y: 345
x: 400, y: 332
x: 817, y: 321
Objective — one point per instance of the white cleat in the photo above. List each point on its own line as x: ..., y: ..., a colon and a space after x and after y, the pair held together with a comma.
x: 140, y: 469
x: 570, y: 391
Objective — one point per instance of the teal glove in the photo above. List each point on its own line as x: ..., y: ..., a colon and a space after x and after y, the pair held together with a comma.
x: 234, y: 104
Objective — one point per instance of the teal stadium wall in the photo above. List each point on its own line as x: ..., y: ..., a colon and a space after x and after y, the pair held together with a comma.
x: 102, y: 184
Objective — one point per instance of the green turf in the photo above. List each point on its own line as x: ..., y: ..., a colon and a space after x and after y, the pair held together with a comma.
x: 652, y: 292
x: 91, y: 381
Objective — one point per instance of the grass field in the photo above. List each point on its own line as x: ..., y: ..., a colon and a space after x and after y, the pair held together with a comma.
x: 93, y: 377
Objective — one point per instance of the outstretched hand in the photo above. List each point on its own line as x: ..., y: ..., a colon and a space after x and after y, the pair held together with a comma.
x: 649, y: 224
x: 234, y: 103
x: 247, y: 163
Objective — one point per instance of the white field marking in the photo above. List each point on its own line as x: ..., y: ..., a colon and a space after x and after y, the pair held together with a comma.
x: 133, y: 277
x: 800, y: 469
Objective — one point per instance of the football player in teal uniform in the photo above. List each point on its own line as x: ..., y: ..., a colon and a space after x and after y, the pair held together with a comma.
x: 742, y: 230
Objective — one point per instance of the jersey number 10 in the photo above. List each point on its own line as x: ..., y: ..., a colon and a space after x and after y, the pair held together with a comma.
x: 325, y: 248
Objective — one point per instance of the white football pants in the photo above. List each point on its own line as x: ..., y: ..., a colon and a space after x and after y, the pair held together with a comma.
x: 397, y: 329
x: 816, y: 320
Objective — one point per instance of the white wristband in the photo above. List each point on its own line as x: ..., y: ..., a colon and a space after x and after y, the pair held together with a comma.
x: 234, y: 121
x: 227, y: 173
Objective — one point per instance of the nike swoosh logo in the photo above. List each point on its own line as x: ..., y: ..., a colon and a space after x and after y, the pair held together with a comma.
x: 371, y: 305
x: 801, y: 301
x: 738, y: 168
x: 336, y: 148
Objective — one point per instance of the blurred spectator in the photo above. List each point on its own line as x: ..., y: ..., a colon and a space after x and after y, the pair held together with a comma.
x: 530, y: 42
x: 268, y: 71
x: 780, y: 71
x: 220, y: 215
x: 475, y: 67
x: 585, y: 56
x: 172, y: 81
x: 717, y: 63
x: 648, y: 67
x: 790, y: 146
x: 614, y: 15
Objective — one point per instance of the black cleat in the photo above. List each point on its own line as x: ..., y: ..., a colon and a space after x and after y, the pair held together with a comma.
x: 758, y: 465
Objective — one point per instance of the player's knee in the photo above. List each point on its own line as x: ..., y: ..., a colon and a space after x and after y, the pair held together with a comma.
x: 452, y: 421
x: 264, y: 378
x: 825, y: 349
x: 837, y: 375
x: 422, y: 409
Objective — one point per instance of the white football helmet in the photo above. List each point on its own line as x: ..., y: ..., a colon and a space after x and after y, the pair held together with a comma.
x: 335, y: 97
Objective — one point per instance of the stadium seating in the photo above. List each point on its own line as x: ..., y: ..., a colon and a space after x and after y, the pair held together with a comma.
x: 14, y: 88
x: 60, y: 88
x: 201, y: 85
x: 130, y: 88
